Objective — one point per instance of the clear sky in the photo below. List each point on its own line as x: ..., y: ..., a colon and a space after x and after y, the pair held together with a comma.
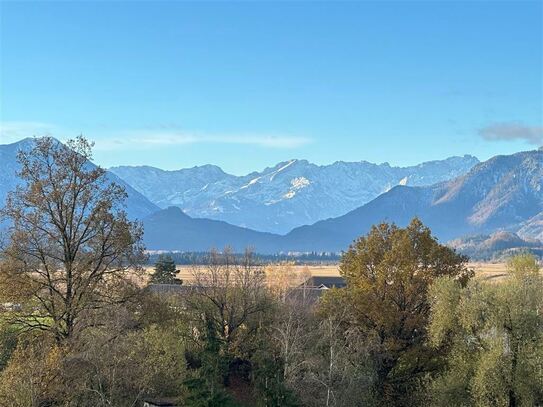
x: 248, y: 84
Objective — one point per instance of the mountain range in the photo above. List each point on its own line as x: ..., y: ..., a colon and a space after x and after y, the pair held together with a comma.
x: 137, y: 206
x: 503, y: 193
x: 500, y: 199
x: 288, y: 195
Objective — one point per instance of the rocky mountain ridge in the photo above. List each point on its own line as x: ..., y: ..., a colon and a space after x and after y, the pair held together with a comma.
x: 290, y: 194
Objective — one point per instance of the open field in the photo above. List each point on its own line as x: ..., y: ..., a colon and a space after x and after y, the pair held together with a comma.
x: 485, y: 271
x: 489, y: 271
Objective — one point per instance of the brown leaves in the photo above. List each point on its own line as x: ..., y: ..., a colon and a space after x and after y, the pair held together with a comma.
x: 388, y: 273
x: 70, y: 241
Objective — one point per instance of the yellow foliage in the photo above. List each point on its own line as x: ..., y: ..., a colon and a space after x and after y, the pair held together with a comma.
x: 282, y: 277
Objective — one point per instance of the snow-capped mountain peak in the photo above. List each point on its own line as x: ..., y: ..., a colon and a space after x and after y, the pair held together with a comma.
x: 287, y: 195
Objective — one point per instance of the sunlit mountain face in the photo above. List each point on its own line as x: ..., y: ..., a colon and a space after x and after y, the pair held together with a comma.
x: 288, y: 195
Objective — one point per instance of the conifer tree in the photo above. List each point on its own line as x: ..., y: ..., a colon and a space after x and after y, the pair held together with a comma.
x: 165, y: 271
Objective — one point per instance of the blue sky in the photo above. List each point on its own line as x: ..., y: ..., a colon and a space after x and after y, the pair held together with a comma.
x: 248, y: 84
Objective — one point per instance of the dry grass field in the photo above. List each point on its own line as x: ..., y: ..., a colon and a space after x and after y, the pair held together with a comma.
x: 485, y: 271
x: 490, y: 271
x: 186, y: 272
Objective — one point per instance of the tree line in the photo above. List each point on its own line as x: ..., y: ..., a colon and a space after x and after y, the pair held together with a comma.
x: 191, y: 258
x: 412, y: 327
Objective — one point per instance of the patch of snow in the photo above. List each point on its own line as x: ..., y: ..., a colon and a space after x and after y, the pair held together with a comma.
x: 281, y: 169
x: 251, y: 182
x: 403, y: 181
x: 296, y: 184
x: 290, y: 194
x: 299, y: 182
x: 272, y: 202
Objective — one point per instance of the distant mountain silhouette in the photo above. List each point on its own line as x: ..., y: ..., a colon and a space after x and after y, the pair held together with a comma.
x: 171, y: 229
x: 498, y: 244
x: 504, y: 194
x: 137, y: 205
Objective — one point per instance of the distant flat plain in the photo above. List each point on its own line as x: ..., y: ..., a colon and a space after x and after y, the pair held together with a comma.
x: 484, y: 271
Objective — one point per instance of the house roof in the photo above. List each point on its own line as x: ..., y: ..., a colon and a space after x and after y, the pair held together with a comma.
x: 161, y: 402
x: 325, y: 282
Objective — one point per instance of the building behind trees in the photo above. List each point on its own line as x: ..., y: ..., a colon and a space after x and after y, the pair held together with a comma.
x: 407, y: 325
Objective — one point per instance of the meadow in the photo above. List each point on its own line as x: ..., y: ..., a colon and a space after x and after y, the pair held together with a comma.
x: 484, y: 271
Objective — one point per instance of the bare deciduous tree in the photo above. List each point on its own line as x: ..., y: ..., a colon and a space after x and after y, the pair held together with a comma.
x: 293, y: 333
x: 71, y: 247
x: 230, y: 291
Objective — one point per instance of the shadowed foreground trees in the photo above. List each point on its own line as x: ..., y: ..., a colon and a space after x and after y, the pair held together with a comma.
x: 137, y: 350
x: 230, y: 295
x: 227, y: 308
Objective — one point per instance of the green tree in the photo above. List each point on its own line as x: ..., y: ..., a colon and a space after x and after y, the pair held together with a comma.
x: 232, y: 295
x: 227, y: 309
x: 494, y: 336
x: 523, y: 264
x: 268, y: 379
x: 8, y: 343
x: 388, y: 273
x: 165, y: 271
x: 205, y: 387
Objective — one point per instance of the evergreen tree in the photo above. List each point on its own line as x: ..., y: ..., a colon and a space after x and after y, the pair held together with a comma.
x: 165, y: 271
x: 205, y: 388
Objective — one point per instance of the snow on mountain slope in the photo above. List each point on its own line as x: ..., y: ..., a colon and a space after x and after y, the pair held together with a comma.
x: 503, y: 193
x: 464, y: 206
x: 288, y: 195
